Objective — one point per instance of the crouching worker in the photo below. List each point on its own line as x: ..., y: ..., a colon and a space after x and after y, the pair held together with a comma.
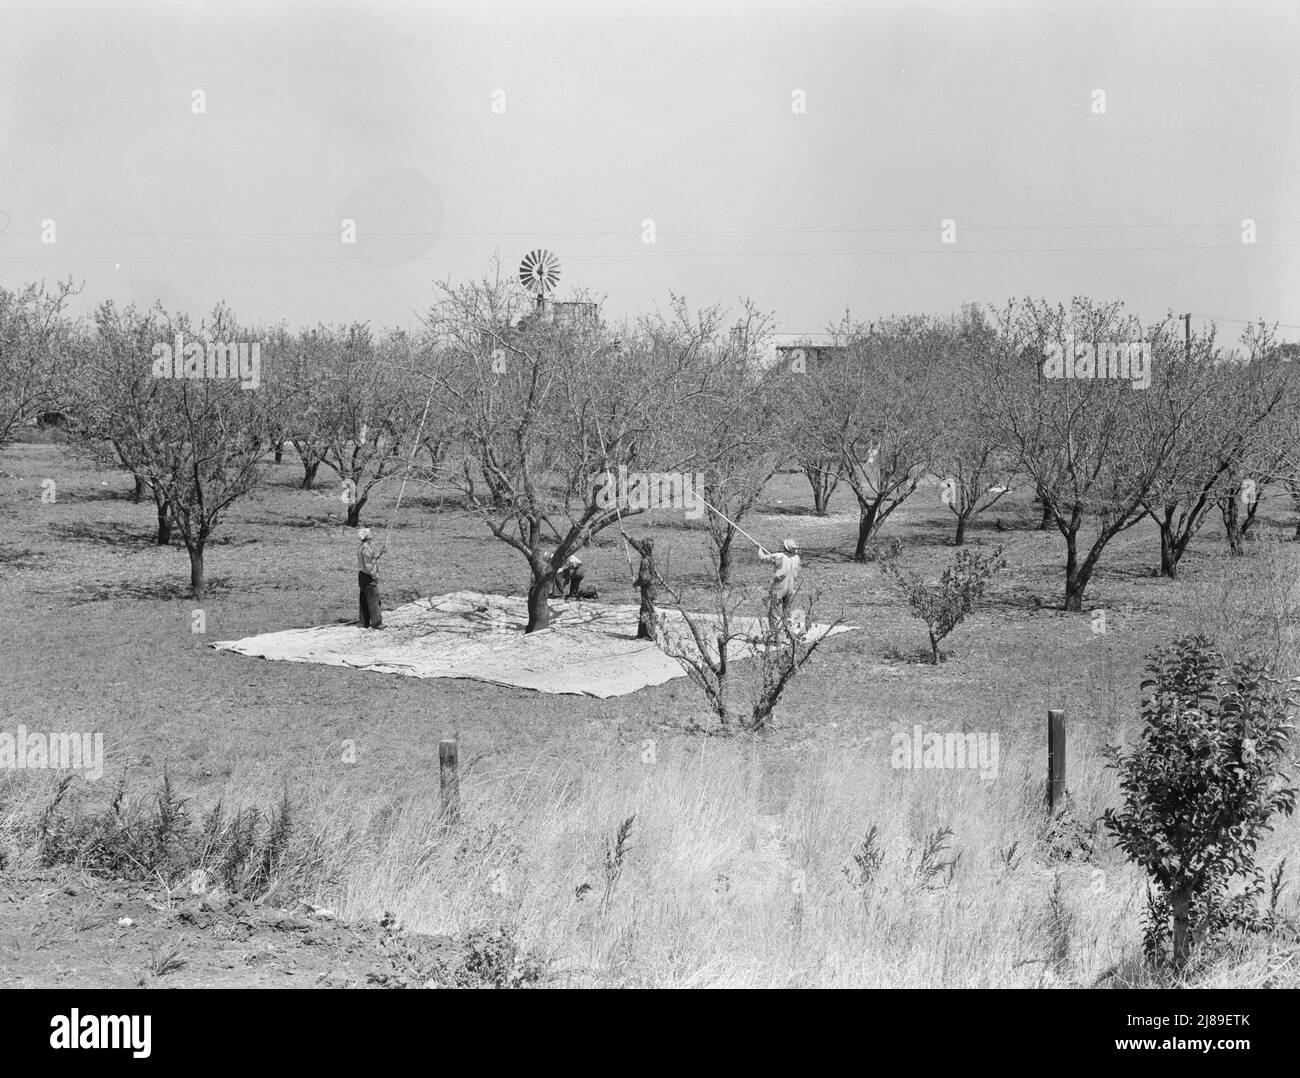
x: 645, y: 583
x: 785, y: 578
x: 372, y: 615
x: 567, y: 582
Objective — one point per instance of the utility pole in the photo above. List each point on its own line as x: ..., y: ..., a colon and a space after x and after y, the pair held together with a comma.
x: 1187, y: 337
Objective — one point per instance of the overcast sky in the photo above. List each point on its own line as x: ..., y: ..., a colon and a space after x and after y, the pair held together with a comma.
x: 684, y: 114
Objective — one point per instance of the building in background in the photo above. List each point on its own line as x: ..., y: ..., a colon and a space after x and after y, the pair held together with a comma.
x: 788, y: 349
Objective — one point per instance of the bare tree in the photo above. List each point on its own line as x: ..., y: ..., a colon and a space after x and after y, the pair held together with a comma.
x: 34, y: 341
x: 120, y: 405
x: 551, y: 412
x: 199, y: 440
x: 706, y: 648
x: 1223, y: 451
x: 973, y: 470
x: 1097, y: 448
x: 871, y: 404
x: 733, y: 425
x: 362, y: 423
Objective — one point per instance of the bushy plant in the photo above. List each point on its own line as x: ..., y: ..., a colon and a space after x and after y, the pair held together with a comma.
x: 1200, y: 790
x: 248, y: 853
x: 944, y: 606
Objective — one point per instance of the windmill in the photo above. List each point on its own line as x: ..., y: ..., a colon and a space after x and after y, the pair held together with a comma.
x: 539, y: 273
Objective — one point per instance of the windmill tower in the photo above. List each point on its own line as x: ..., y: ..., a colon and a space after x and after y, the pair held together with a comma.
x: 539, y: 273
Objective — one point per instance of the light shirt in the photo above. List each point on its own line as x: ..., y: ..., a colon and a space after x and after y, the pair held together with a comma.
x: 367, y: 562
x: 785, y: 572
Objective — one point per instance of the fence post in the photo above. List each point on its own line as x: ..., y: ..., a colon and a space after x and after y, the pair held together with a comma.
x: 449, y: 780
x: 1055, y: 759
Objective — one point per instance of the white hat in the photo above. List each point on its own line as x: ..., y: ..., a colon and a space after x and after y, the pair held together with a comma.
x: 363, y: 534
x: 790, y: 546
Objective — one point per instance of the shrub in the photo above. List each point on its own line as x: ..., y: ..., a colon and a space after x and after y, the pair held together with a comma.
x: 248, y: 853
x: 1200, y: 789
x: 943, y: 606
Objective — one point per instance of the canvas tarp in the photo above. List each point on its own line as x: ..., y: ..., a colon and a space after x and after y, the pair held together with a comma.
x: 590, y: 649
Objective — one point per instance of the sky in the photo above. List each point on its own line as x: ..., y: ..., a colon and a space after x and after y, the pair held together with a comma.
x: 803, y: 154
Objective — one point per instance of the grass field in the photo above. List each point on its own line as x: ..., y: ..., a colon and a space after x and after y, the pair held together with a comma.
x: 738, y: 867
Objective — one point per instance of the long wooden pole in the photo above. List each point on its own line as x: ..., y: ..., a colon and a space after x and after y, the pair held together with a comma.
x: 733, y: 524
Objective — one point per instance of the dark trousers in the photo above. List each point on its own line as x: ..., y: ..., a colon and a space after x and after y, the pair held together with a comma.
x: 573, y: 582
x: 372, y: 614
x: 646, y: 621
x: 778, y: 609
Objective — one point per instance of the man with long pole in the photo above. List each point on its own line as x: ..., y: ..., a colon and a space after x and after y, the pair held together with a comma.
x: 785, y: 572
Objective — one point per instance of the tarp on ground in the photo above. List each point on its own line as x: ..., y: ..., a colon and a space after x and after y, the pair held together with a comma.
x: 590, y: 649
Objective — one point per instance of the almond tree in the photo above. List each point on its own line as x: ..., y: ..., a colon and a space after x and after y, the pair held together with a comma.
x: 363, y: 418
x: 118, y: 401
x: 973, y: 470
x: 1226, y: 444
x: 1097, y: 449
x: 35, y: 336
x: 871, y: 402
x: 802, y: 438
x: 300, y: 376
x: 199, y: 440
x: 550, y: 412
x: 733, y: 426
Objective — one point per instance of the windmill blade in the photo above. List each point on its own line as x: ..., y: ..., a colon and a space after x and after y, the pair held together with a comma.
x: 539, y: 271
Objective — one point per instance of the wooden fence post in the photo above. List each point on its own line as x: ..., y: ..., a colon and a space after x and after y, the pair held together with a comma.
x: 449, y: 780
x: 1055, y: 759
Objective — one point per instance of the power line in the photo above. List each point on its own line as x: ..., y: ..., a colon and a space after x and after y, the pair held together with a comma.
x: 945, y: 251
x: 922, y: 230
x: 1243, y: 321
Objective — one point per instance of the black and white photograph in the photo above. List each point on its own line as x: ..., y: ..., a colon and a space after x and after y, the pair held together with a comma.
x: 611, y: 494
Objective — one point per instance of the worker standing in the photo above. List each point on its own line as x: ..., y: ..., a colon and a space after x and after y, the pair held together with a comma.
x: 645, y: 581
x: 372, y: 614
x: 785, y: 578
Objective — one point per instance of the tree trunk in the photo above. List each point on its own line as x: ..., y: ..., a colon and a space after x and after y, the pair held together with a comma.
x: 1232, y: 524
x: 1168, y: 552
x: 1249, y: 520
x: 137, y: 495
x: 354, y: 511
x: 494, y: 486
x: 539, y: 614
x: 724, y: 556
x: 279, y: 452
x: 961, y: 532
x: 866, y: 525
x: 1045, y: 521
x: 309, y: 467
x: 934, y: 650
x: 469, y: 478
x: 823, y: 483
x: 198, y: 587
x: 164, y: 536
x: 1076, y: 575
x: 1180, y: 902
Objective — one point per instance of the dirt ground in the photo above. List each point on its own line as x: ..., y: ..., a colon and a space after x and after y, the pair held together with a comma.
x: 58, y: 930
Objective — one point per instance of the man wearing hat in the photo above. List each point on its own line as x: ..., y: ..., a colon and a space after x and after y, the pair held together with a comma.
x: 372, y: 615
x: 568, y: 578
x: 785, y: 578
